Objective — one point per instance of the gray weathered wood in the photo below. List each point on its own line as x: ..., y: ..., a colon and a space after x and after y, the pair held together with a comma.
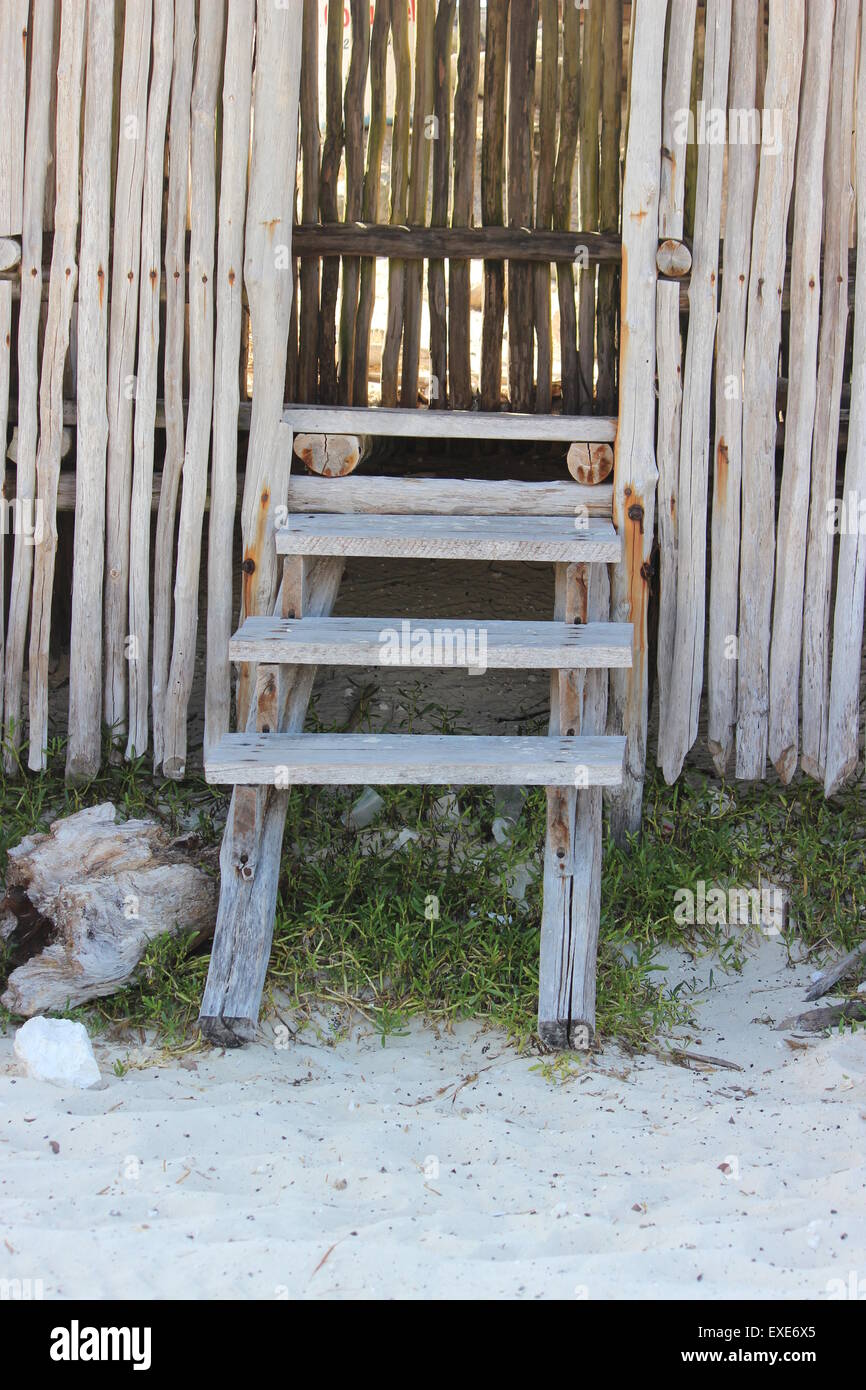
x: 451, y: 424
x: 453, y: 537
x: 463, y: 201
x: 419, y: 180
x: 332, y: 455
x: 399, y: 196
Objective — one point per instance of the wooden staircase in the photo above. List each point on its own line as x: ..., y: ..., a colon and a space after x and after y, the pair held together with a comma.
x: 575, y: 762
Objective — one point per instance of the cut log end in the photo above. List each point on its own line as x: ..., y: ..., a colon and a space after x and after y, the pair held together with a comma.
x: 590, y: 463
x: 673, y: 258
x: 332, y: 455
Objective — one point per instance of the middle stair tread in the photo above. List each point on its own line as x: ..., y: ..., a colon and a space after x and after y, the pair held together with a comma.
x: 559, y: 539
x: 432, y: 642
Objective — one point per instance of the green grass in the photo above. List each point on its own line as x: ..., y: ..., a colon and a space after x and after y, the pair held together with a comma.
x: 358, y: 932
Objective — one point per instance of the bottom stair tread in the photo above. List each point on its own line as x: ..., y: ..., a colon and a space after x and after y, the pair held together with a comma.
x: 414, y: 760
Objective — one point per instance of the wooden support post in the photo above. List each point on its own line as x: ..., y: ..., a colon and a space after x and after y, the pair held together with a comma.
x: 635, y: 472
x: 572, y: 856
x: 248, y: 886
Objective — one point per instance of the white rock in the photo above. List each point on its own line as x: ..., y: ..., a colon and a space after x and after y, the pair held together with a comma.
x: 57, y: 1050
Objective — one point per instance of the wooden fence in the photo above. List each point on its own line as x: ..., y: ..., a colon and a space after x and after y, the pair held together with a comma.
x: 207, y: 209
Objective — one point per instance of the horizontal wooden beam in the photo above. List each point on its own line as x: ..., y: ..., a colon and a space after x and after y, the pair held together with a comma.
x: 501, y: 425
x: 555, y: 539
x: 454, y: 243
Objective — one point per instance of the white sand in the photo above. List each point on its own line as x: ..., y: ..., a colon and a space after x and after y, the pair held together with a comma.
x: 448, y: 1166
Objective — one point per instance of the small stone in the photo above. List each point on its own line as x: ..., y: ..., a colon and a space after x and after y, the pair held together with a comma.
x: 57, y: 1050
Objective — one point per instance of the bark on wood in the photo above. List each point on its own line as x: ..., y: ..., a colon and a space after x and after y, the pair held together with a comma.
x: 678, y: 722
x: 248, y: 890
x: 569, y: 118
x: 328, y: 201
x: 37, y: 153
x: 843, y: 730
x: 308, y: 318
x: 236, y: 111
x: 763, y: 336
x: 465, y: 121
x: 492, y: 151
x: 728, y: 450
x: 146, y: 381
x: 608, y: 208
x: 590, y: 104
x: 64, y: 277
x: 399, y: 196
x: 635, y: 471
x: 354, y: 130
x: 521, y: 318
x: 544, y: 194
x: 800, y: 414
x: 572, y: 857
x: 838, y: 202
x: 332, y: 455
x: 370, y: 205
x: 175, y: 321
x: 442, y: 39
x: 99, y: 893
x: 126, y: 255
x: 681, y: 39
x: 201, y: 380
x: 83, y: 751
x: 419, y: 180
x: 268, y: 280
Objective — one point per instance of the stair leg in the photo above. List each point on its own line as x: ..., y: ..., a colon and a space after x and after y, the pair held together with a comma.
x: 572, y: 854
x: 248, y: 888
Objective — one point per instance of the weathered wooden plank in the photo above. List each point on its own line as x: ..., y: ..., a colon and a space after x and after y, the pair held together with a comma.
x: 728, y: 450
x: 635, y: 472
x: 201, y: 379
x: 399, y: 196
x: 763, y: 336
x: 175, y: 321
x: 843, y: 729
x: 571, y: 909
x: 452, y: 424
x: 248, y: 887
x: 268, y: 278
x: 838, y: 203
x: 372, y: 174
x: 83, y: 749
x: 786, y: 642
x: 36, y: 159
x: 608, y: 207
x: 143, y: 434
x: 311, y: 153
x: 544, y: 195
x: 463, y: 200
x: 433, y: 642
x: 419, y: 180
x: 569, y: 119
x: 668, y: 335
x: 236, y: 111
x: 521, y: 88
x: 590, y: 107
x: 492, y: 209
x: 123, y: 324
x: 443, y: 34
x: 353, y: 124
x: 452, y: 537
x: 285, y: 760
x: 328, y: 200
x: 678, y: 722
x: 64, y: 275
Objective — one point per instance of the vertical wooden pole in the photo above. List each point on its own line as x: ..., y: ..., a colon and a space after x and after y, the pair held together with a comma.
x: 544, y: 195
x: 123, y: 324
x: 608, y: 275
x: 802, y: 393
x: 236, y: 109
x: 399, y: 196
x: 146, y: 384
x: 635, y: 471
x: 590, y: 105
x: 521, y: 319
x: 763, y: 336
x: 728, y: 451
x: 370, y: 204
x: 465, y: 121
x: 308, y: 352
x: 563, y: 177
x: 354, y: 127
x: 175, y: 330
x: 61, y: 296
x: 442, y: 38
x: 492, y: 210
x: 838, y: 200
x: 36, y: 159
x: 419, y: 182
x: 328, y: 201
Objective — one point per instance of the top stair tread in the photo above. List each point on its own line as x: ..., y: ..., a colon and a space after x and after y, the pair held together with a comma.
x: 559, y: 539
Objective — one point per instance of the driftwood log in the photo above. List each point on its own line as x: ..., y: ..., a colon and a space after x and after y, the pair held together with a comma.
x: 91, y: 894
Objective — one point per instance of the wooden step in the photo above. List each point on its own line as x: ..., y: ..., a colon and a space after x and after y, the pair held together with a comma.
x: 432, y: 642
x: 536, y: 538
x: 414, y: 760
x: 449, y: 424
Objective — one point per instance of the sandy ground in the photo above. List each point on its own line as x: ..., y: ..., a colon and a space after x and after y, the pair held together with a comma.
x: 449, y: 1166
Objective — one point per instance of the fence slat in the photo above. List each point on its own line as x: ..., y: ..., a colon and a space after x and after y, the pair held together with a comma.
x: 399, y: 196
x: 328, y: 202
x: 353, y: 122
x: 590, y: 105
x: 311, y: 153
x: 521, y: 319
x: 465, y: 120
x: 802, y: 392
x: 544, y: 195
x: 492, y: 210
x: 563, y: 175
x: 763, y: 337
x: 443, y: 33
x: 608, y: 204
x: 370, y: 206
x: 419, y: 181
